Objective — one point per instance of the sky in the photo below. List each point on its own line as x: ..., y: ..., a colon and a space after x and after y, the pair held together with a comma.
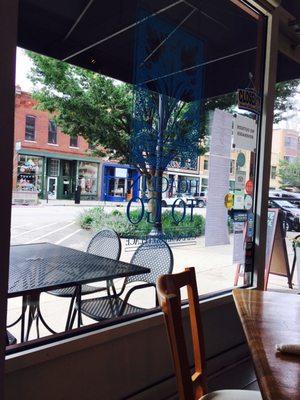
x: 23, y: 70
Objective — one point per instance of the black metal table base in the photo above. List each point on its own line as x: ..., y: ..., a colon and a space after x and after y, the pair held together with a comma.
x: 31, y: 306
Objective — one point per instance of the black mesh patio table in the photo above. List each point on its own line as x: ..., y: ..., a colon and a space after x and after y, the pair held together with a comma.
x: 36, y: 268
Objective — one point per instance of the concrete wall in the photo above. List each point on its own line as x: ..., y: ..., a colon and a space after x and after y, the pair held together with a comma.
x: 129, y: 361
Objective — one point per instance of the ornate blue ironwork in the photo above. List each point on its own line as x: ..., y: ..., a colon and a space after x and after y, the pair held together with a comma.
x: 168, y: 91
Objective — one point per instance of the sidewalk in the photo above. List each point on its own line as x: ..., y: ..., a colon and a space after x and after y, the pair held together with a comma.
x: 83, y: 203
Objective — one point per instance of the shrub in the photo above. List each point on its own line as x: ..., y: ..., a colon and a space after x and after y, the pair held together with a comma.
x: 98, y: 219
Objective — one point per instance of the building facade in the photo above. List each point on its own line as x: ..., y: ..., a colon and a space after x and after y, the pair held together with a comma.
x: 47, y: 161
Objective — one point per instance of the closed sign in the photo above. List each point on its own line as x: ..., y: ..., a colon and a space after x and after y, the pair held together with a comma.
x: 248, y: 100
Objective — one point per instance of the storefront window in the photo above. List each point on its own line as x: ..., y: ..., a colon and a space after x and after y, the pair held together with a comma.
x: 87, y: 177
x: 117, y: 187
x: 29, y: 176
x: 120, y: 183
x: 53, y: 167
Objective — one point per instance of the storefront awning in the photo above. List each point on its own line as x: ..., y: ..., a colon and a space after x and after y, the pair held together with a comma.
x: 100, y: 36
x: 61, y: 156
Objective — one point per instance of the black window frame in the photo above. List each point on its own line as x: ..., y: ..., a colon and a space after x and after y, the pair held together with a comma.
x: 74, y: 138
x: 30, y: 131
x: 52, y: 132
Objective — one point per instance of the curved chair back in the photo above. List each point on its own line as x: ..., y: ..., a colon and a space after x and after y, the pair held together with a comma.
x: 156, y: 255
x: 105, y: 243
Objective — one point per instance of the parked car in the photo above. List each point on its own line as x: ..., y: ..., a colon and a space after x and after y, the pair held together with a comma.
x: 199, y: 201
x: 291, y: 213
x: 293, y: 197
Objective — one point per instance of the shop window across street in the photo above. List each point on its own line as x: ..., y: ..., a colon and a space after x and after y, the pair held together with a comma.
x: 74, y: 141
x: 52, y: 133
x: 30, y: 128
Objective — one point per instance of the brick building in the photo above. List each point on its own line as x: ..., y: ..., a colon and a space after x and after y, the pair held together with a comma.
x: 48, y: 161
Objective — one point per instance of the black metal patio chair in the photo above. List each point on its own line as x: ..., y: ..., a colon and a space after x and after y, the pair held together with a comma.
x: 105, y: 243
x: 154, y: 254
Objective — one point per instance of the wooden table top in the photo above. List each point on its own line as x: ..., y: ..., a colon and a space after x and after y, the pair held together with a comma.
x: 268, y: 319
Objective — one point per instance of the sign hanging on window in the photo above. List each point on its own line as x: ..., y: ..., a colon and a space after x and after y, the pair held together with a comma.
x: 244, y: 133
x: 249, y: 100
x: 240, y: 179
x: 121, y: 173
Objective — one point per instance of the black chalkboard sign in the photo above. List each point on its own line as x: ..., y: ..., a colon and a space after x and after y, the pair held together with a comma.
x: 277, y: 262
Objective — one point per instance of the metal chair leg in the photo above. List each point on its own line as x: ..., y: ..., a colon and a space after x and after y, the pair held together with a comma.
x: 37, y: 320
x: 71, y: 307
x: 31, y: 317
x: 73, y: 318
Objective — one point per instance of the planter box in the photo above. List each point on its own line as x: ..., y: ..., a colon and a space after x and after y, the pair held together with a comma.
x: 30, y: 197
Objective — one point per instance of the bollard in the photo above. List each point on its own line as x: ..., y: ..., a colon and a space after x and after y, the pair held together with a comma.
x: 77, y: 194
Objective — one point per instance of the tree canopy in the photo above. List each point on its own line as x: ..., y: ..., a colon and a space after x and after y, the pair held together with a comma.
x: 84, y: 103
x: 100, y: 109
x: 289, y: 173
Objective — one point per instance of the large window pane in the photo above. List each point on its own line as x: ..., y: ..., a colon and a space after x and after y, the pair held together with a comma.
x: 88, y: 176
x: 173, y: 161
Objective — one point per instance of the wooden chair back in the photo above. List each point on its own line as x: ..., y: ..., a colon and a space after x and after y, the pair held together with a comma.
x: 190, y: 386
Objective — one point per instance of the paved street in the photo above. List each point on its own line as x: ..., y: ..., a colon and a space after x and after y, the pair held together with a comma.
x: 59, y: 225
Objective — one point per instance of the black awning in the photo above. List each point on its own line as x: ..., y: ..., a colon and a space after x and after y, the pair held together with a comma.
x: 63, y: 28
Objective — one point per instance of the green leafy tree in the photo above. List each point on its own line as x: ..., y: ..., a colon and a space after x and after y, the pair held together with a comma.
x: 285, y: 98
x: 100, y: 109
x: 289, y: 173
x: 84, y: 103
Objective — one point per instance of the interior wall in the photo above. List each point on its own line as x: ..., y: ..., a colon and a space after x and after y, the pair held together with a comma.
x: 129, y: 361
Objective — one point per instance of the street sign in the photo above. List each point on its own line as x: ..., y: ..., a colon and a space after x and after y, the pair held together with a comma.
x: 249, y: 100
